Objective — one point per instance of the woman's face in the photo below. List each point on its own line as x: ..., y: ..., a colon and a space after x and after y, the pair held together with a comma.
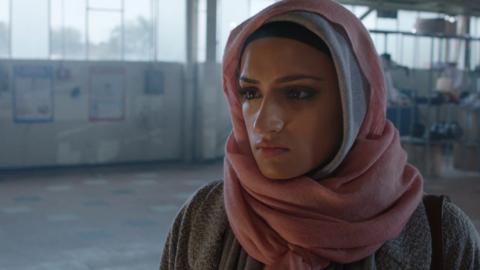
x: 291, y: 106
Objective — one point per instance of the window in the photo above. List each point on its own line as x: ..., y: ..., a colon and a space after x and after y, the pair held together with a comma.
x: 105, y: 4
x: 202, y: 31
x: 475, y: 26
x: 423, y: 53
x: 30, y: 29
x: 139, y: 30
x: 171, y: 35
x: 67, y: 36
x: 474, y: 54
x: 258, y: 5
x: 386, y: 24
x: 230, y: 14
x: 406, y: 20
x: 105, y: 35
x: 4, y: 28
x: 370, y: 21
x: 474, y: 45
x: 429, y: 15
x: 407, y: 53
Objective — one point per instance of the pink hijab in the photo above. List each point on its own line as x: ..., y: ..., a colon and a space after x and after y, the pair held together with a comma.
x: 306, y: 223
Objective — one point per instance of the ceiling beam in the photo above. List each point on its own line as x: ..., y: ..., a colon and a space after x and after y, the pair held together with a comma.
x: 451, y: 7
x: 364, y: 15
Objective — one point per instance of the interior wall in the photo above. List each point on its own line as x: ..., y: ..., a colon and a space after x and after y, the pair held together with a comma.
x: 419, y: 80
x: 213, y: 115
x: 150, y: 128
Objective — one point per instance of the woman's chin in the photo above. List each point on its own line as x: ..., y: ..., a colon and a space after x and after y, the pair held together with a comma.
x: 278, y: 172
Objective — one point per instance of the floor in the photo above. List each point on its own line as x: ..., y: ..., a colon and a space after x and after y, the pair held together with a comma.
x: 117, y: 217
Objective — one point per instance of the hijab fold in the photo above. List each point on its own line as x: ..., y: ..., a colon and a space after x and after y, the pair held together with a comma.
x: 347, y: 214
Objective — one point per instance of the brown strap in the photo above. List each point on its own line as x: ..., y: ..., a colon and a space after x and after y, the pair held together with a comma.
x: 434, y: 205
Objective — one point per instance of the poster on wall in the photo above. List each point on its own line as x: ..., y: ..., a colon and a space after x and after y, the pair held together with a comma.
x: 32, y: 94
x: 4, y: 80
x: 154, y: 82
x: 4, y: 90
x: 107, y: 94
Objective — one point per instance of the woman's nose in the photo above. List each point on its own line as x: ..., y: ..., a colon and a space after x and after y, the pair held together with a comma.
x: 269, y: 118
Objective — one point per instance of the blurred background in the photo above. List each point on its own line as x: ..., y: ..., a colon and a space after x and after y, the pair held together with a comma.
x: 112, y: 114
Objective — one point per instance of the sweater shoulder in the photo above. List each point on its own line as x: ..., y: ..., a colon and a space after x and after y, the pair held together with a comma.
x: 461, y: 242
x: 207, y: 196
x: 196, y: 236
x: 411, y: 249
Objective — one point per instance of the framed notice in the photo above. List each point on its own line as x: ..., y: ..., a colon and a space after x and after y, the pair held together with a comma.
x: 154, y: 82
x: 33, y: 94
x: 107, y: 94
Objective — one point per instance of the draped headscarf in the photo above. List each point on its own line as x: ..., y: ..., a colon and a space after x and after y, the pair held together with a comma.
x: 348, y: 208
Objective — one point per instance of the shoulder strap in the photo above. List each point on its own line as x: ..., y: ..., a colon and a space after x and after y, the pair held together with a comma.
x: 433, y: 205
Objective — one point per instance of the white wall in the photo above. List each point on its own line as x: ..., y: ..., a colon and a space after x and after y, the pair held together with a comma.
x: 154, y: 126
x: 151, y: 129
x: 213, y: 116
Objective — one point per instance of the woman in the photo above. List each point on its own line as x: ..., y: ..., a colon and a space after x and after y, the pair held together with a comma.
x: 314, y: 175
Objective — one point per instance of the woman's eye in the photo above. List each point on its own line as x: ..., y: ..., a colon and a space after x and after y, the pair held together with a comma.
x: 248, y: 93
x: 299, y: 93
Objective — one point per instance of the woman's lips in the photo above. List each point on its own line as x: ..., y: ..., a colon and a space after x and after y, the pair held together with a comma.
x: 271, y: 151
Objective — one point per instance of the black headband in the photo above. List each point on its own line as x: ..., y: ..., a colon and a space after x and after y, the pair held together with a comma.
x: 288, y: 30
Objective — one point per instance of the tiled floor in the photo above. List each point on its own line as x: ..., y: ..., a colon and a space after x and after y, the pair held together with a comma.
x: 117, y: 217
x: 92, y: 218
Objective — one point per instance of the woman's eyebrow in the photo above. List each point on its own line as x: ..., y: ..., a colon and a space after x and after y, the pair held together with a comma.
x: 294, y: 77
x: 248, y: 80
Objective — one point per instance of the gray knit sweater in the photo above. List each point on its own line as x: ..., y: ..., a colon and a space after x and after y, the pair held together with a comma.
x: 200, y: 238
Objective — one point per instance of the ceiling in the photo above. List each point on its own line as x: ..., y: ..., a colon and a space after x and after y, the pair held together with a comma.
x: 451, y: 7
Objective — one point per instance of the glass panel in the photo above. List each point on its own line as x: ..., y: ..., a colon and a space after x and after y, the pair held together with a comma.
x: 57, y: 24
x: 30, y: 27
x: 430, y: 15
x: 393, y: 47
x: 4, y: 10
x: 473, y: 26
x: 105, y: 4
x: 476, y: 26
x: 400, y: 54
x: 4, y: 28
x: 258, y: 5
x: 387, y: 24
x: 230, y: 14
x: 406, y: 20
x: 408, y: 51
x: 202, y: 31
x: 171, y: 35
x: 75, y: 15
x: 370, y: 22
x: 423, y: 54
x: 379, y: 41
x: 349, y: 7
x: 359, y: 10
x: 457, y: 52
x: 105, y: 35
x: 475, y: 55
x: 138, y: 30
x: 437, y: 51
